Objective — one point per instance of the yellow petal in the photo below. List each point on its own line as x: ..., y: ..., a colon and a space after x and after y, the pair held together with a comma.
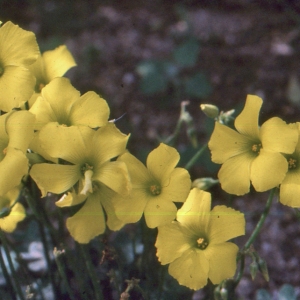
x: 57, y: 62
x: 191, y: 269
x: 234, y: 174
x: 19, y: 127
x: 177, y: 187
x: 35, y: 146
x: 277, y: 136
x: 290, y: 189
x: 16, y: 86
x: 159, y: 212
x: 61, y: 95
x: 226, y: 143
x: 13, y: 167
x: 268, y: 170
x: 139, y: 174
x: 70, y: 199
x: 162, y: 161
x: 246, y: 122
x: 17, y: 46
x: 55, y: 178
x: 195, y: 211
x: 10, y: 222
x: 130, y: 208
x: 88, y: 222
x: 69, y: 143
x: 114, y: 175
x: 110, y: 141
x: 222, y: 261
x: 105, y: 195
x: 225, y: 224
x: 172, y: 241
x: 89, y: 110
x: 43, y: 112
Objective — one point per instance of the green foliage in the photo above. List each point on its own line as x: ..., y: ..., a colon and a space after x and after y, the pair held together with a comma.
x: 262, y: 294
x: 287, y: 292
x: 175, y: 75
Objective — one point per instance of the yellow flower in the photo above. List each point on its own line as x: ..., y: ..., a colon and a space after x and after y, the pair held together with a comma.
x: 87, y: 171
x: 195, y: 245
x: 252, y: 153
x: 49, y: 65
x: 154, y: 189
x: 17, y: 213
x: 61, y: 102
x: 290, y: 186
x: 18, y: 50
x: 16, y: 132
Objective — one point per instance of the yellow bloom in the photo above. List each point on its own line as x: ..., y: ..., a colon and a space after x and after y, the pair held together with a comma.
x: 195, y: 245
x: 252, y: 153
x: 154, y: 189
x: 17, y: 213
x: 88, y: 170
x: 49, y: 65
x: 16, y: 132
x: 18, y: 50
x: 290, y: 186
x: 61, y: 102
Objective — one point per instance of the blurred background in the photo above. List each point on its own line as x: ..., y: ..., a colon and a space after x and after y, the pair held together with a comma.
x: 145, y: 57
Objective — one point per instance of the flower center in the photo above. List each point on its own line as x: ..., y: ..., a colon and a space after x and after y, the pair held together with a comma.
x: 155, y: 189
x: 88, y: 174
x: 41, y: 86
x: 202, y: 243
x: 292, y: 163
x: 256, y: 148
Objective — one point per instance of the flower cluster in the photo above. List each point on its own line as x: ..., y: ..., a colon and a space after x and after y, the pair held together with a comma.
x: 267, y: 155
x: 66, y: 144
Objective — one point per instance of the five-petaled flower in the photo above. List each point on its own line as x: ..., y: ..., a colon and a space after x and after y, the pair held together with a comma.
x: 86, y: 170
x: 196, y: 244
x: 155, y: 188
x: 252, y: 153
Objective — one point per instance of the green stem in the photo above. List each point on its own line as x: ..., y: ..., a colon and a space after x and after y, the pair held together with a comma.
x: 193, y: 160
x: 7, y: 277
x: 253, y: 236
x: 62, y: 273
x: 260, y: 222
x: 92, y: 273
x: 172, y: 138
x: 11, y: 266
x: 47, y: 257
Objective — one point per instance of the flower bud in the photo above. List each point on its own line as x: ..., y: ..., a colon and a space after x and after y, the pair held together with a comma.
x: 253, y: 269
x: 210, y: 110
x: 204, y: 183
x: 262, y: 265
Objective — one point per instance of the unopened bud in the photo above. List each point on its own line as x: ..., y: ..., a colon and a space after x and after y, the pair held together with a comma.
x: 224, y: 293
x: 210, y: 110
x: 253, y: 269
x: 204, y: 183
x: 262, y: 265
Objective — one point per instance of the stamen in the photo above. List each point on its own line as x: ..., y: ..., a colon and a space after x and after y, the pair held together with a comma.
x: 88, y: 184
x: 256, y: 148
x: 202, y: 243
x: 292, y: 163
x: 155, y: 189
